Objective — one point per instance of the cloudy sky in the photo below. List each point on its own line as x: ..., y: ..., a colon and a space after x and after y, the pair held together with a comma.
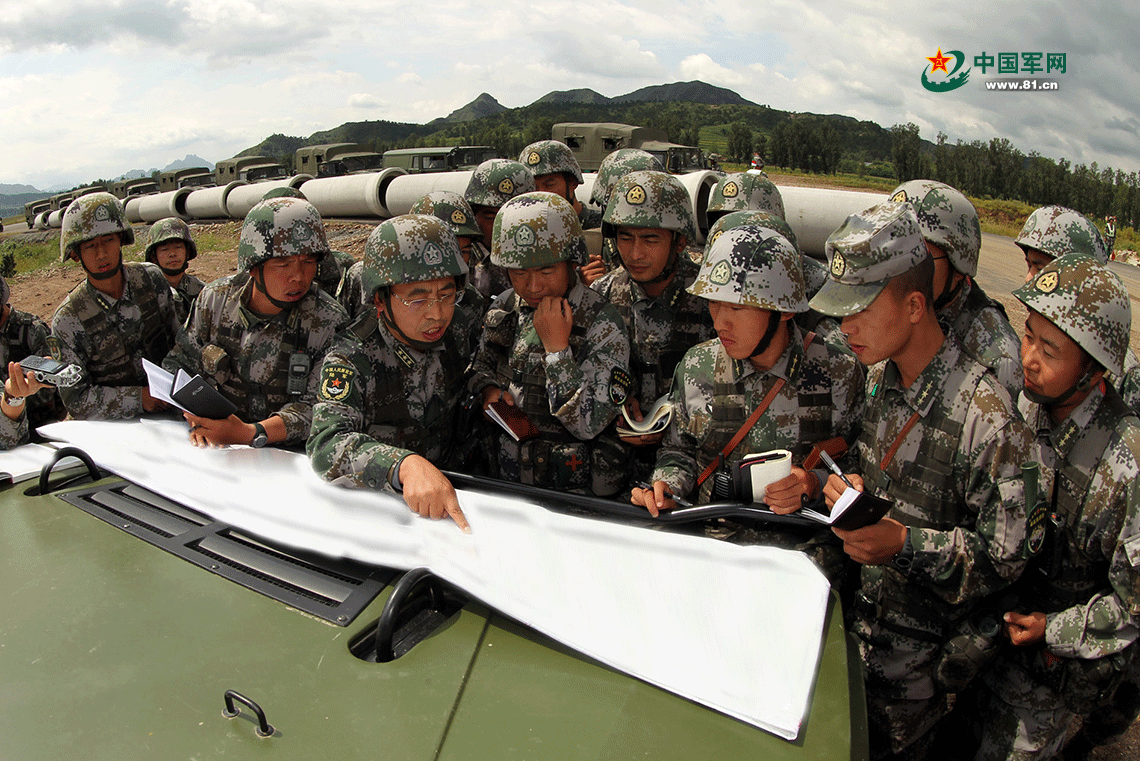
x: 94, y: 88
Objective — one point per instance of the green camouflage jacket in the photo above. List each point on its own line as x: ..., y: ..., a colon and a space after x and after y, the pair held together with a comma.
x: 25, y: 335
x: 184, y: 294
x: 983, y: 330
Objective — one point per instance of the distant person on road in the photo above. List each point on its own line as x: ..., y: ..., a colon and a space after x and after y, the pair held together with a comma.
x: 170, y: 248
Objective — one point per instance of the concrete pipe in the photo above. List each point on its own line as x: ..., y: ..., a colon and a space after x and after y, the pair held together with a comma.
x: 132, y: 208
x: 353, y: 195
x: 210, y: 203
x: 404, y: 191
x: 241, y: 199
x: 172, y: 203
x: 700, y: 186
x: 41, y: 220
x: 815, y: 213
x: 55, y: 218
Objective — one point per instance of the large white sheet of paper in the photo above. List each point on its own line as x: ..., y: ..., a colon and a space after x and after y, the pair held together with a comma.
x: 738, y: 629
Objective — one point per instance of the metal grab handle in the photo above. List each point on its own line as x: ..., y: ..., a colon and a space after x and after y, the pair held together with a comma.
x: 263, y: 727
x: 385, y: 627
x: 59, y: 455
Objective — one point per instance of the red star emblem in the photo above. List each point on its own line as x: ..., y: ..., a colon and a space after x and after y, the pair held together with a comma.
x: 938, y: 62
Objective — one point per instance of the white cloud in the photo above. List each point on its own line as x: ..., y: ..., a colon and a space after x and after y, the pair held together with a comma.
x: 364, y: 100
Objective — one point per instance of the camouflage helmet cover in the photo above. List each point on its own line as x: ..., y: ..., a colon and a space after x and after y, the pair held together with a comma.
x: 867, y: 250
x: 496, y: 181
x: 617, y: 165
x: 1087, y: 301
x: 93, y: 216
x: 753, y: 266
x: 452, y: 208
x: 550, y: 157
x: 171, y: 228
x: 745, y: 191
x: 536, y: 230
x: 948, y: 220
x: 1056, y: 231
x: 278, y: 228
x: 765, y: 219
x: 652, y: 200
x: 411, y: 249
x: 284, y: 191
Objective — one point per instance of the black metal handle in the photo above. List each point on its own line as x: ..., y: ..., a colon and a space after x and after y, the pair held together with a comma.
x: 386, y: 626
x: 263, y: 727
x: 59, y: 455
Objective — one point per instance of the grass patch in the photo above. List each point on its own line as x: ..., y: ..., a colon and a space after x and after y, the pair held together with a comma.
x: 31, y: 256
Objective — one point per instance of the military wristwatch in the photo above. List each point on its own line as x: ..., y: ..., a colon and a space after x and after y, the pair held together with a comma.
x: 260, y: 437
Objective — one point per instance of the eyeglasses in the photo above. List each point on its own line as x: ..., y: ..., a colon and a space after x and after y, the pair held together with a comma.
x: 422, y: 305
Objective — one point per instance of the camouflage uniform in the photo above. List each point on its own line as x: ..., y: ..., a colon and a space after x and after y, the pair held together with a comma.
x: 954, y: 481
x: 381, y: 399
x: 25, y: 335
x: 1088, y: 580
x: 949, y: 221
x: 571, y: 396
x: 249, y: 357
x: 493, y: 183
x: 188, y: 288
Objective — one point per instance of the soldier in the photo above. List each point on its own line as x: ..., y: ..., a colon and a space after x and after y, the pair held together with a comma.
x: 1075, y: 625
x: 556, y: 350
x: 556, y: 171
x: 1053, y: 231
x: 650, y: 219
x: 26, y: 403
x: 743, y: 192
x: 942, y: 441
x: 332, y: 268
x: 492, y: 184
x: 754, y: 285
x: 390, y: 385
x: 953, y: 236
x: 1110, y: 235
x: 171, y: 248
x: 110, y: 322
x: 260, y: 335
x: 613, y: 167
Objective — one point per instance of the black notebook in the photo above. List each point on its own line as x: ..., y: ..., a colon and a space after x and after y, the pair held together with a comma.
x: 194, y: 395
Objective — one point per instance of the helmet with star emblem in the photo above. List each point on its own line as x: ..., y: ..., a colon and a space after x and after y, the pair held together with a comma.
x: 89, y: 217
x: 278, y: 228
x: 452, y: 209
x: 744, y: 192
x: 496, y: 181
x: 411, y: 249
x: 753, y: 266
x: 550, y: 157
x: 1056, y: 231
x: 171, y: 228
x: 947, y: 219
x: 652, y: 200
x: 617, y: 165
x: 1088, y: 302
x: 536, y: 230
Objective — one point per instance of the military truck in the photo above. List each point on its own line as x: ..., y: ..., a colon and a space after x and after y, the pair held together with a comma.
x: 248, y: 168
x: 138, y: 627
x: 32, y: 209
x: 454, y: 159
x: 139, y: 186
x: 336, y: 159
x: 190, y: 177
x: 591, y: 142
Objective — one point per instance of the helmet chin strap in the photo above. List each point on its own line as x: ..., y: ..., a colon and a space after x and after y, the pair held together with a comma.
x: 1082, y: 385
x: 102, y: 275
x: 948, y: 293
x: 670, y: 266
x: 172, y: 273
x: 392, y: 326
x: 258, y: 275
x: 769, y: 334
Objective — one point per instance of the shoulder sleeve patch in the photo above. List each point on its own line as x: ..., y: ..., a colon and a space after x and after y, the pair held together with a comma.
x: 619, y: 385
x: 336, y: 382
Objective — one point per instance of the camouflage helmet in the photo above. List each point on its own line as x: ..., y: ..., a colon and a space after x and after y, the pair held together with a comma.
x: 452, y: 209
x: 867, y: 250
x: 285, y: 191
x: 536, y: 230
x: 278, y: 228
x: 753, y: 266
x: 765, y: 219
x: 92, y: 216
x: 496, y: 181
x: 617, y: 165
x: 742, y: 192
x: 1056, y: 231
x: 1086, y: 300
x: 653, y: 200
x: 410, y: 249
x: 948, y: 220
x: 550, y: 157
x: 171, y: 228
